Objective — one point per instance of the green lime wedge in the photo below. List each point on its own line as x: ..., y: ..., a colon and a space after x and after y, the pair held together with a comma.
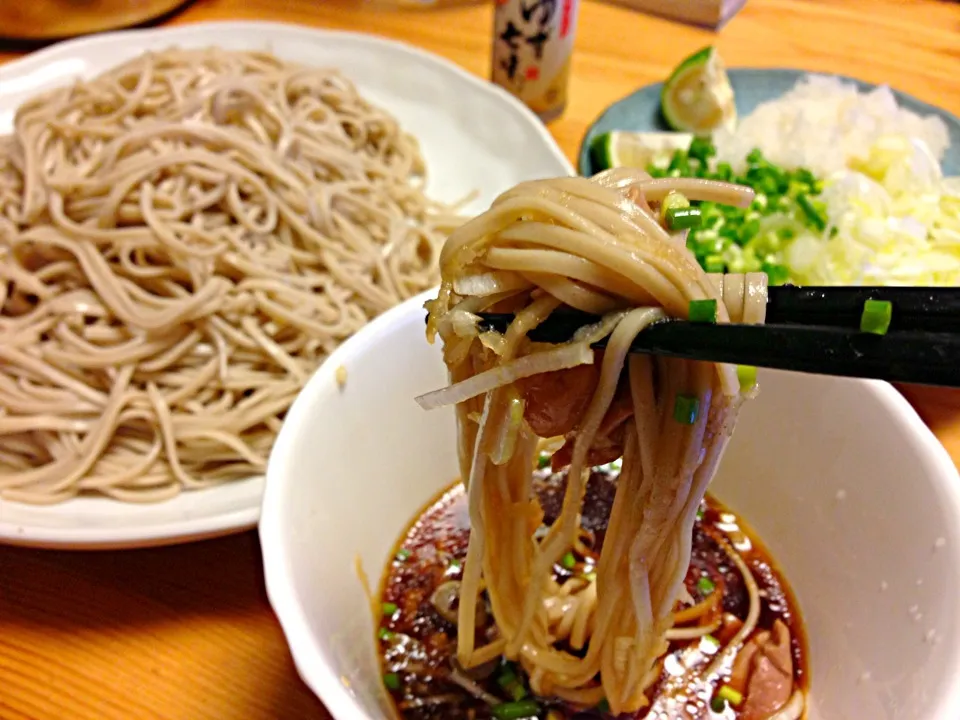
x: 697, y: 97
x: 619, y: 148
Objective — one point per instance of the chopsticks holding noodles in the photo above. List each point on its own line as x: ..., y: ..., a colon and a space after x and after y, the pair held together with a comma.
x: 899, y: 334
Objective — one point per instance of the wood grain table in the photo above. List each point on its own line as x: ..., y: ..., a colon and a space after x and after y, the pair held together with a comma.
x: 186, y: 633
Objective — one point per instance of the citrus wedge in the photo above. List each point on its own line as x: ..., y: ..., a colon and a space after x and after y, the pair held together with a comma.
x: 635, y: 149
x: 697, y: 97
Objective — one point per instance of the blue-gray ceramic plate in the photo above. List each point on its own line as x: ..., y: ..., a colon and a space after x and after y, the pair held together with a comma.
x: 640, y: 111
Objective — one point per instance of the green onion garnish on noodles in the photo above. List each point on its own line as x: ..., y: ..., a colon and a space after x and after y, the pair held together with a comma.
x: 516, y: 710
x: 543, y: 461
x: 876, y: 317
x: 391, y: 680
x: 507, y: 676
x: 747, y: 375
x: 703, y: 311
x: 705, y: 586
x: 389, y: 609
x: 568, y: 561
x: 403, y: 554
x: 683, y: 218
x: 730, y: 695
x: 384, y: 634
x: 685, y: 409
x: 673, y: 201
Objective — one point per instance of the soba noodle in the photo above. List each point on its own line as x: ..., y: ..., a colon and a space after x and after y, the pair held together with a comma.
x: 597, y: 246
x: 184, y: 238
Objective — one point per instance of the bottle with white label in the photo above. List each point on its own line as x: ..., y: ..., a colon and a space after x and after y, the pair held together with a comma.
x: 532, y: 47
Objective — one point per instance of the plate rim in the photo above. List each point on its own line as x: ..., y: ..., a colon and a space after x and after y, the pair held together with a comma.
x: 583, y: 151
x: 174, y: 532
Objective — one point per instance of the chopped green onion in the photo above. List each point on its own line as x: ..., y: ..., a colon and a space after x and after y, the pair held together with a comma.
x: 683, y: 218
x: 391, y: 680
x: 673, y: 201
x: 685, y: 409
x: 813, y: 211
x: 700, y: 514
x: 516, y: 710
x: 389, y: 608
x: 713, y: 264
x: 701, y: 149
x: 876, y: 317
x: 384, y: 634
x: 711, y: 640
x: 507, y: 676
x: 777, y: 274
x: 705, y: 585
x: 403, y: 554
x: 543, y: 461
x: 517, y: 690
x: 747, y: 374
x: 703, y: 311
x: 568, y: 561
x: 718, y: 704
x: 730, y: 695
x: 603, y: 706
x: 455, y: 564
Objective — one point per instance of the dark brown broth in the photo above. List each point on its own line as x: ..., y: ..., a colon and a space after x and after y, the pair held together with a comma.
x: 416, y: 643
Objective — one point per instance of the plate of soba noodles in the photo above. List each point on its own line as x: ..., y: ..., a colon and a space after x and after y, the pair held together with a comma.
x: 191, y: 221
x: 480, y: 524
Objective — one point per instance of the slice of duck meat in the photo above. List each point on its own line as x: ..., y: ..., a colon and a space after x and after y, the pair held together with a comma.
x: 555, y: 401
x: 763, y: 673
x: 607, y: 444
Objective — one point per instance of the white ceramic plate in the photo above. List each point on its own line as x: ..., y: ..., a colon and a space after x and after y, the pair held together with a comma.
x: 475, y: 137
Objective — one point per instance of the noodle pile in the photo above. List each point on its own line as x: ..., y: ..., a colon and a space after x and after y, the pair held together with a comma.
x: 182, y: 240
x: 596, y: 246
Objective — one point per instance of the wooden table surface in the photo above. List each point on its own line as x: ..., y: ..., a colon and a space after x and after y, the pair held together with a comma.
x: 186, y: 633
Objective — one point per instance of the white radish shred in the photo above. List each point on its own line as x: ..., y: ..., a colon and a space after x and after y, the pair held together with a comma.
x: 823, y: 123
x: 561, y: 358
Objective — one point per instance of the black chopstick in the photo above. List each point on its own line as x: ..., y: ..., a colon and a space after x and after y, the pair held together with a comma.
x: 914, y: 308
x: 908, y: 356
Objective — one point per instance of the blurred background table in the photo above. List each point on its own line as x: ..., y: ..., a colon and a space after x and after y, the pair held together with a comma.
x: 186, y: 633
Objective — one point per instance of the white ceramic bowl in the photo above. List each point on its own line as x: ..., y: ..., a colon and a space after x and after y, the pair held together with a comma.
x: 853, y: 495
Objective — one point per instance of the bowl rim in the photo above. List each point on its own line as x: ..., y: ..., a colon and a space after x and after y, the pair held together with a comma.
x: 305, y: 649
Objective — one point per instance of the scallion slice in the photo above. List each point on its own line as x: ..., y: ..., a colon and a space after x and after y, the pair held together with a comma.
x: 384, y: 634
x: 391, y: 680
x: 516, y: 710
x: 730, y: 695
x: 876, y: 317
x: 705, y: 585
x: 747, y: 375
x: 403, y: 554
x: 683, y: 218
x: 703, y: 311
x: 389, y: 609
x: 685, y: 409
x: 568, y: 561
